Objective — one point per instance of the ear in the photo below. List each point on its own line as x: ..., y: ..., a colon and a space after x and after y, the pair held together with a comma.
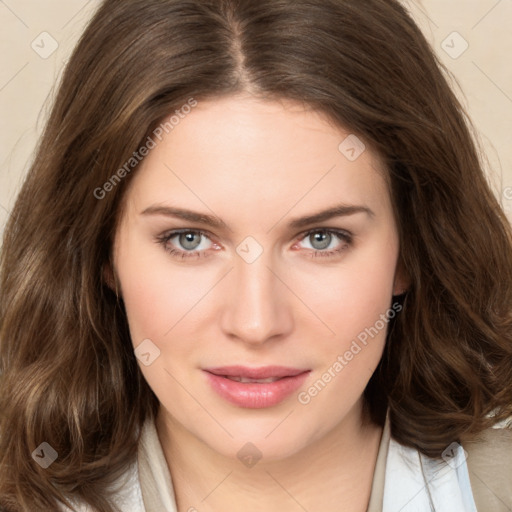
x: 402, y: 281
x: 108, y: 276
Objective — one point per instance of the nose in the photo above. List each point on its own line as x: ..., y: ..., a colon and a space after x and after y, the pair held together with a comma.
x: 256, y: 306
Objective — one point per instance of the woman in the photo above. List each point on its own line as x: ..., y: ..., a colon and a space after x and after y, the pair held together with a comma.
x: 256, y: 263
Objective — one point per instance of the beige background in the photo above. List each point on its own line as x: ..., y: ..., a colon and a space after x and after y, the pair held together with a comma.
x: 30, y: 29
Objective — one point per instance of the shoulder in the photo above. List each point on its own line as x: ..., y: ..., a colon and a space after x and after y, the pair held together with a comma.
x: 489, y: 462
x: 474, y: 476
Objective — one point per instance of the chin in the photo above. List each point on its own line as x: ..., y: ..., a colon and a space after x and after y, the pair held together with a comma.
x: 272, y: 439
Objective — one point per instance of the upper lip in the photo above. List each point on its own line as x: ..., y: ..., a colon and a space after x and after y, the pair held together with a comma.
x: 263, y: 372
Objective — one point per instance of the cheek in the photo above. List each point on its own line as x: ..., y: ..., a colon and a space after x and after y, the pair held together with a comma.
x: 354, y: 302
x: 147, y: 306
x: 358, y: 313
x: 157, y: 293
x: 351, y: 297
x: 160, y: 300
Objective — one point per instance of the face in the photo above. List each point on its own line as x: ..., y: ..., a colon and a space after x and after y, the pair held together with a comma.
x: 224, y: 270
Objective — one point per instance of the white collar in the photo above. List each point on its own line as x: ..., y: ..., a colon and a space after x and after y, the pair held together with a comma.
x: 417, y: 483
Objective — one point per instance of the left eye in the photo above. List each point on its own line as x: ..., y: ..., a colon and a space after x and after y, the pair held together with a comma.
x: 326, y: 242
x: 321, y: 239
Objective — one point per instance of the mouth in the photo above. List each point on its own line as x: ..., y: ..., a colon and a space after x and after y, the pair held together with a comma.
x: 256, y: 374
x: 255, y: 388
x: 246, y: 380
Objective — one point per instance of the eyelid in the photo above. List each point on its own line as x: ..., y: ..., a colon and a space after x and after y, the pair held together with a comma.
x: 336, y: 231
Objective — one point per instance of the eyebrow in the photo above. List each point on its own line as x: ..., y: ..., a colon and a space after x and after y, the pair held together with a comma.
x: 341, y: 210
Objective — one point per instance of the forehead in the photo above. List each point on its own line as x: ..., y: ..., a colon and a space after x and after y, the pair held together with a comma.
x: 250, y: 154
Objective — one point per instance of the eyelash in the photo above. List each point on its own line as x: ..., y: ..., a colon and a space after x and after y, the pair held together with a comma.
x: 344, y: 236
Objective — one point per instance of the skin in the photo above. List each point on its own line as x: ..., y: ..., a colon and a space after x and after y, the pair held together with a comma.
x: 257, y: 165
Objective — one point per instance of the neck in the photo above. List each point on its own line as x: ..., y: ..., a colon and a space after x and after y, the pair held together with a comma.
x: 332, y: 473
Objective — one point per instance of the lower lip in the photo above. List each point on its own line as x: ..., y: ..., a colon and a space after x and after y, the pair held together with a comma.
x: 252, y: 395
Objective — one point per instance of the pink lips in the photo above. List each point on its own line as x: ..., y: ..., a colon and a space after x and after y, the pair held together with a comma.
x: 281, y: 382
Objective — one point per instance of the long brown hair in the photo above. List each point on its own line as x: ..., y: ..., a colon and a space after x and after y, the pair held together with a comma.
x: 68, y: 373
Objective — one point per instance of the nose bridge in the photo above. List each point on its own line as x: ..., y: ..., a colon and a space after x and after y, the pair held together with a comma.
x: 255, y: 308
